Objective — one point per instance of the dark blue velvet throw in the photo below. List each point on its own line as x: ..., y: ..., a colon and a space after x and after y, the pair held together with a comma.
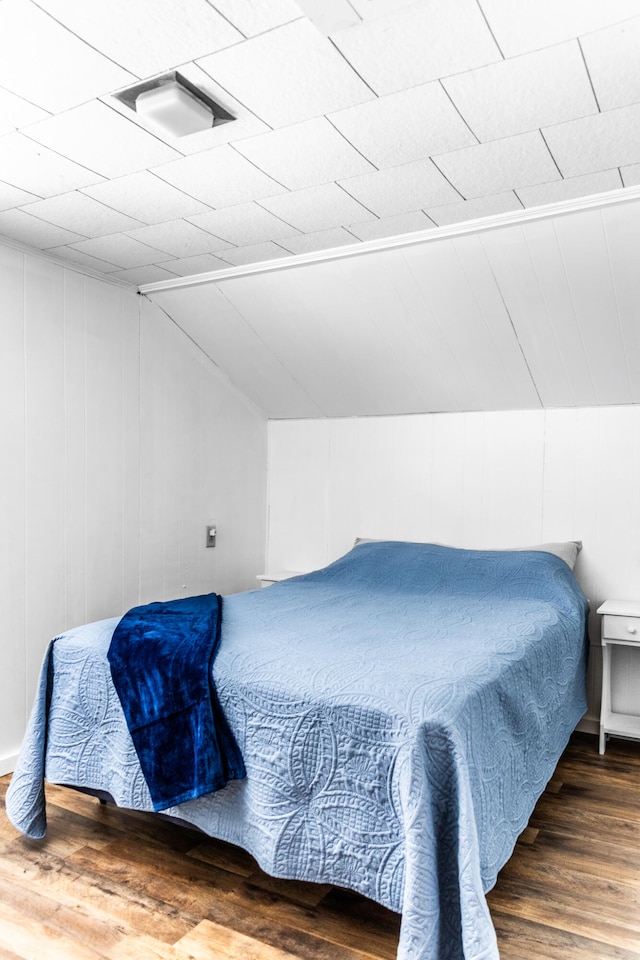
x: 161, y: 656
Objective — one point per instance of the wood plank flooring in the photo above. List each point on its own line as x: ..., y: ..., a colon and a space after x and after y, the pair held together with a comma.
x: 109, y: 884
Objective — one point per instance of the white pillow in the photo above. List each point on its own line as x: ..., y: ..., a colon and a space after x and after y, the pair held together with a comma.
x: 567, y: 550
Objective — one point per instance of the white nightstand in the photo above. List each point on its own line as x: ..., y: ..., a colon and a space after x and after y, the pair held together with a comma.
x: 266, y: 579
x: 621, y: 628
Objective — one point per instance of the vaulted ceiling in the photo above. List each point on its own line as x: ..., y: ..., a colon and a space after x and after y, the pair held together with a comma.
x: 520, y: 315
x: 355, y: 120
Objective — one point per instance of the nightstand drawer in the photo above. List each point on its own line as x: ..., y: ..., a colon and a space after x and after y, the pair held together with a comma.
x: 621, y: 628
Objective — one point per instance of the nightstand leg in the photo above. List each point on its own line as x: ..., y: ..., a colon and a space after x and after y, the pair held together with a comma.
x: 605, y: 706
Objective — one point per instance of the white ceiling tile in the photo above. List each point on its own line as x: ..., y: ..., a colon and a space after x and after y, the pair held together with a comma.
x: 85, y: 216
x: 219, y: 177
x: 329, y: 16
x: 420, y: 43
x: 244, y: 124
x: 140, y: 275
x: 591, y: 144
x: 245, y: 189
x: 20, y: 226
x: 146, y: 197
x: 121, y: 250
x: 13, y: 197
x: 391, y: 226
x: 178, y: 238
x: 304, y: 154
x: 244, y: 224
x: 612, y: 58
x: 148, y: 36
x: 474, y: 209
x: 631, y: 175
x: 499, y: 165
x: 322, y: 240
x: 16, y: 112
x: 520, y: 27
x: 570, y: 189
x: 524, y: 93
x: 31, y: 167
x: 403, y: 189
x: 372, y: 9
x: 44, y: 63
x: 189, y: 266
x: 255, y: 253
x: 102, y: 140
x: 255, y: 16
x: 317, y: 208
x: 83, y: 259
x: 405, y: 126
x: 291, y: 73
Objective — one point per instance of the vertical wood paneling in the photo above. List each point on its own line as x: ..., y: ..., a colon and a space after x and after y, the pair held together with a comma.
x: 512, y: 475
x: 421, y: 333
x: 512, y: 383
x: 152, y: 446
x: 45, y: 458
x: 344, y: 506
x: 564, y: 335
x: 130, y: 466
x: 531, y: 314
x: 13, y: 702
x: 443, y: 272
x: 104, y: 491
x: 520, y: 316
x: 622, y: 232
x: 475, y: 480
x: 618, y: 501
x: 298, y: 467
x: 586, y: 258
x: 447, y: 482
x: 234, y: 493
x: 202, y: 457
x: 411, y: 373
x: 104, y: 439
x: 190, y: 494
x: 175, y: 446
x: 75, y: 448
x: 410, y: 450
x: 233, y: 344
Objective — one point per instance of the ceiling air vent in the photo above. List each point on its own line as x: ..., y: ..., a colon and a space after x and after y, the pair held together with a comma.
x: 173, y: 105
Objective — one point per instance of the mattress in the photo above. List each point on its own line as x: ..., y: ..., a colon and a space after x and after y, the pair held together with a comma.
x: 399, y: 713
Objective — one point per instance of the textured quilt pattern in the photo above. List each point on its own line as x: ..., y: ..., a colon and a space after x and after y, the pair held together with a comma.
x: 399, y: 713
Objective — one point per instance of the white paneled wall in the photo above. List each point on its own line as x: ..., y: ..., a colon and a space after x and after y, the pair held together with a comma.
x: 119, y: 441
x: 518, y: 316
x: 466, y: 479
x: 202, y: 458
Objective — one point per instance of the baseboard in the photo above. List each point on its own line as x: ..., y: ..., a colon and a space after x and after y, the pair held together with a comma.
x: 8, y: 764
x: 589, y: 725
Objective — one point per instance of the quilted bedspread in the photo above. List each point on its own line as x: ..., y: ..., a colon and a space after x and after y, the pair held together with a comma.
x: 399, y: 713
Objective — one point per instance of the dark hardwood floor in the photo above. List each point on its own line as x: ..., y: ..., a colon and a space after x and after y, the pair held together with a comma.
x: 115, y: 885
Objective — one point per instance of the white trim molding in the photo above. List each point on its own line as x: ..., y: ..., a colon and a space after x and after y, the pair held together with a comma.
x: 8, y: 764
x: 595, y: 201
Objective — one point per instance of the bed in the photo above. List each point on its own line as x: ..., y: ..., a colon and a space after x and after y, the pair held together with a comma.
x: 399, y: 713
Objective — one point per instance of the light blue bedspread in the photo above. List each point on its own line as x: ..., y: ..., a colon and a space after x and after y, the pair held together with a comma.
x: 399, y: 713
